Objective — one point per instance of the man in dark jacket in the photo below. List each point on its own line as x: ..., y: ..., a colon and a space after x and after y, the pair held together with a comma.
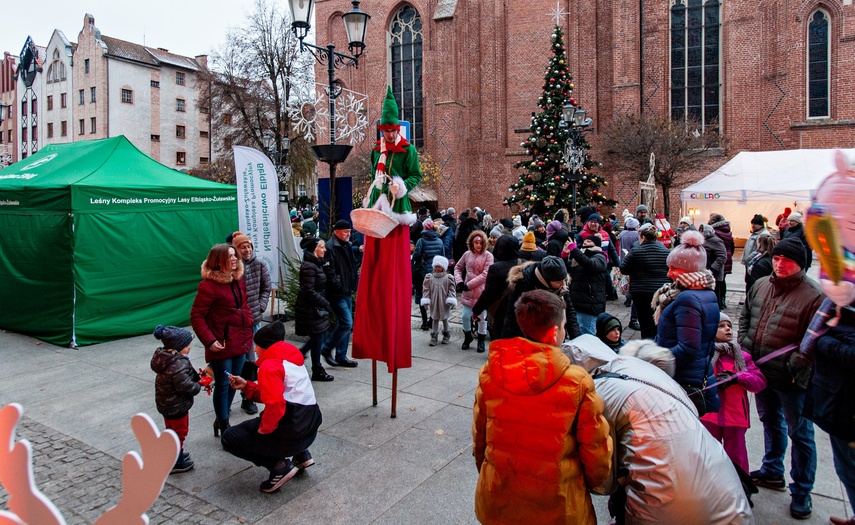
x: 494, y: 296
x: 722, y: 231
x: 777, y: 313
x: 258, y: 288
x: 549, y: 274
x: 587, y: 268
x: 340, y: 294
x: 467, y: 226
x: 716, y: 254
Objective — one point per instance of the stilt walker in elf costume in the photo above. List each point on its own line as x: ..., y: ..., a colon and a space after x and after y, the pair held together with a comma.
x: 382, y: 330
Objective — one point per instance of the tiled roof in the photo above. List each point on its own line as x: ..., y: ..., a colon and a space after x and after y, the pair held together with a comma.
x: 172, y: 59
x: 128, y: 50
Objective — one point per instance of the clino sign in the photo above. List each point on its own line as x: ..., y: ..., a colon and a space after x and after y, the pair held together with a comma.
x: 704, y: 196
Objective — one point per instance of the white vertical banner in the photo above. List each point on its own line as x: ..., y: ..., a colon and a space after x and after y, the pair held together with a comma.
x: 258, y: 202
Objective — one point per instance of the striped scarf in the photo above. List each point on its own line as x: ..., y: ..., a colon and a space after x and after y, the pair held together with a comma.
x: 733, y: 350
x: 381, y: 162
x: 702, y: 280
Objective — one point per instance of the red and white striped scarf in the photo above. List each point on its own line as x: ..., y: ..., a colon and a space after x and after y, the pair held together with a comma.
x: 381, y: 162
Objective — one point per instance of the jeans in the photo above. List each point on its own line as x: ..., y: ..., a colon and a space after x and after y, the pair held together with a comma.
x: 249, y: 370
x: 844, y: 464
x: 223, y: 393
x: 780, y: 411
x: 339, y: 337
x: 587, y: 323
x: 466, y: 320
x: 315, y: 344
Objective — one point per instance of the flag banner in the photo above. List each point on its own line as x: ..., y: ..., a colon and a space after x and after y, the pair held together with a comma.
x: 258, y: 202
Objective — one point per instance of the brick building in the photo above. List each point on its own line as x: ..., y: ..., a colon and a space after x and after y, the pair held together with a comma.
x: 8, y: 109
x: 775, y: 75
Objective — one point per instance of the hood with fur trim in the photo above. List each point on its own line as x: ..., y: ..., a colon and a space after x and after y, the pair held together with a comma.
x: 526, y: 271
x: 476, y: 233
x: 220, y: 276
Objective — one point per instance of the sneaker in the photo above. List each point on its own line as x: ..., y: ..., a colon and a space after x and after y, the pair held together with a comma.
x: 801, y: 506
x: 185, y: 456
x: 761, y: 479
x: 181, y: 465
x: 347, y: 363
x: 446, y: 337
x: 249, y: 407
x: 279, y: 476
x: 303, y: 460
x: 434, y: 339
x: 634, y: 324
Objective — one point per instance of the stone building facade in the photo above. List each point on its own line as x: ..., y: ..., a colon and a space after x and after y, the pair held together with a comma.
x: 8, y: 110
x: 775, y: 75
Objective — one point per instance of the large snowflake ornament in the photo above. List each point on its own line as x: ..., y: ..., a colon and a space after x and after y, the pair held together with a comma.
x: 351, y: 117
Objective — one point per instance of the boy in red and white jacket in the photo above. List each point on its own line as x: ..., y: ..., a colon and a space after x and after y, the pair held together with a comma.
x: 280, y: 437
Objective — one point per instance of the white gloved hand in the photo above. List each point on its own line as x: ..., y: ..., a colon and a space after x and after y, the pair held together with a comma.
x: 379, y: 179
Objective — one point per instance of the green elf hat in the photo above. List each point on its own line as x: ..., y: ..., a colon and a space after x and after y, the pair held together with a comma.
x: 389, y: 118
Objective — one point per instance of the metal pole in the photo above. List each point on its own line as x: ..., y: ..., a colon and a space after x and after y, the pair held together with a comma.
x: 573, y: 226
x: 331, y: 73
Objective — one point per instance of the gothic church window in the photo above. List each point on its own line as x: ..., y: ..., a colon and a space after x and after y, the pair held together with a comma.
x: 696, y: 60
x: 818, y: 65
x: 405, y: 55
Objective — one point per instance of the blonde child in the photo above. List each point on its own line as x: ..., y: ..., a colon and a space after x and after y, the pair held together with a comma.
x: 438, y: 293
x: 730, y: 423
x: 176, y: 384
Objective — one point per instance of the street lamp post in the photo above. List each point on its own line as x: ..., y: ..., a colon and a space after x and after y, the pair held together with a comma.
x: 278, y: 153
x: 576, y: 119
x: 355, y: 25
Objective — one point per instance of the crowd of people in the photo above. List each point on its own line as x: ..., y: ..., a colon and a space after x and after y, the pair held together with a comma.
x: 539, y: 291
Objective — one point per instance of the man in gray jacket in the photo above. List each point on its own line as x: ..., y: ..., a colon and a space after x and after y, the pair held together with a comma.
x: 258, y: 288
x: 777, y: 313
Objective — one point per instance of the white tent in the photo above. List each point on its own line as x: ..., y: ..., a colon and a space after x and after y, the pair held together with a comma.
x: 763, y: 182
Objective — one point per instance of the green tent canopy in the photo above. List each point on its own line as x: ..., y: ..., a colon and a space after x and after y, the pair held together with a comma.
x: 98, y: 241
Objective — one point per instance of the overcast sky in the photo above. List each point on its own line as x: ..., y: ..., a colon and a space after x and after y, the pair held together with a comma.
x: 184, y: 27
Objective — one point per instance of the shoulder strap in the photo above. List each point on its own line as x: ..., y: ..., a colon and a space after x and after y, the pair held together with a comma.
x: 605, y: 375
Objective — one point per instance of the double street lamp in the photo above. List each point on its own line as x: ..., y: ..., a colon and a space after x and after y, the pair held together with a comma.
x: 355, y: 25
x: 575, y: 118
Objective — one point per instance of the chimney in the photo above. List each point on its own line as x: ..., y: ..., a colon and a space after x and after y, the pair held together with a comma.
x: 202, y: 60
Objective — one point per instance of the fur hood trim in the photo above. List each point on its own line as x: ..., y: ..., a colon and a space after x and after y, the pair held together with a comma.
x: 219, y: 276
x: 476, y: 233
x: 515, y: 275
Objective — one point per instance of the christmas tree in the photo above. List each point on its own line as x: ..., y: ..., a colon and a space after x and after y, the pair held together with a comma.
x: 546, y: 185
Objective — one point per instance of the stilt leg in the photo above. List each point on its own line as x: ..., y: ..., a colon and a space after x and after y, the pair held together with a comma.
x: 394, y: 391
x: 374, y: 382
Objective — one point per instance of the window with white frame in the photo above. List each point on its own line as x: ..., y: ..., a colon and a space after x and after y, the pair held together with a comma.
x: 179, y: 78
x: 127, y: 96
x: 179, y: 104
x: 405, y: 55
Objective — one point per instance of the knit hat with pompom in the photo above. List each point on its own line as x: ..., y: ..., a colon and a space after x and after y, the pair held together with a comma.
x: 690, y: 254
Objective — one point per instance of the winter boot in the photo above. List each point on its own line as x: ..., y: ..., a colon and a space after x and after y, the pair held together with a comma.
x: 433, y: 339
x: 220, y: 425
x: 467, y: 338
x: 425, y: 322
x: 319, y: 374
x: 446, y: 337
x: 481, y: 344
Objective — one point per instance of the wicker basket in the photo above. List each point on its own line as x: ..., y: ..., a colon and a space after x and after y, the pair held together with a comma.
x: 373, y: 223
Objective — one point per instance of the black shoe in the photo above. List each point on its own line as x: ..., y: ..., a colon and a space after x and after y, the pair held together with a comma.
x: 761, y: 479
x: 279, y: 476
x: 347, y: 363
x: 722, y: 306
x: 184, y: 455
x: 467, y: 338
x: 327, y: 354
x: 481, y: 343
x: 249, y: 407
x: 319, y: 374
x: 628, y: 302
x: 634, y: 324
x: 801, y: 506
x: 303, y: 460
x: 220, y: 425
x: 181, y: 465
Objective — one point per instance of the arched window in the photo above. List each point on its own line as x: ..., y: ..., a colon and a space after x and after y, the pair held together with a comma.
x: 695, y: 60
x: 56, y: 71
x: 405, y: 55
x: 818, y: 65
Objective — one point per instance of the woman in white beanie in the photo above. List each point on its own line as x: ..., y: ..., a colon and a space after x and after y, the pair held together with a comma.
x: 686, y: 314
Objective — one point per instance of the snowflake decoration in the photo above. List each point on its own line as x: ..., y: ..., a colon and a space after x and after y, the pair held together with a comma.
x: 559, y: 13
x: 574, y: 157
x: 308, y: 112
x: 351, y: 117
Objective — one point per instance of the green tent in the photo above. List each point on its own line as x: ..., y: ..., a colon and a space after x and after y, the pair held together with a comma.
x: 98, y: 241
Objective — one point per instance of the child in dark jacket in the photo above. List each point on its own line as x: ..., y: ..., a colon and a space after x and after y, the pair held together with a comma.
x: 176, y: 384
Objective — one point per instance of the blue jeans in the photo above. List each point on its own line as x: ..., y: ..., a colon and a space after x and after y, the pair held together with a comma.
x: 587, y: 323
x: 466, y: 320
x: 844, y: 464
x: 223, y: 393
x: 339, y: 337
x: 780, y: 411
x: 315, y: 344
x: 250, y: 358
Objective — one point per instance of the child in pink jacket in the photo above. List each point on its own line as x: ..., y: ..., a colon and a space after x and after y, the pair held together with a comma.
x: 730, y: 423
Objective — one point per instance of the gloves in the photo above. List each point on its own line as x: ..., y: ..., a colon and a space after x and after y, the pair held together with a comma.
x: 461, y: 287
x: 724, y: 376
x: 379, y: 180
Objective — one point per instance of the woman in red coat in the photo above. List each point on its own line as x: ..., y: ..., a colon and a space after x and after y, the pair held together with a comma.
x: 222, y: 320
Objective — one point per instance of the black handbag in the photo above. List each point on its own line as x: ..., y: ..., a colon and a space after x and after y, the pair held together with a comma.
x: 696, y: 394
